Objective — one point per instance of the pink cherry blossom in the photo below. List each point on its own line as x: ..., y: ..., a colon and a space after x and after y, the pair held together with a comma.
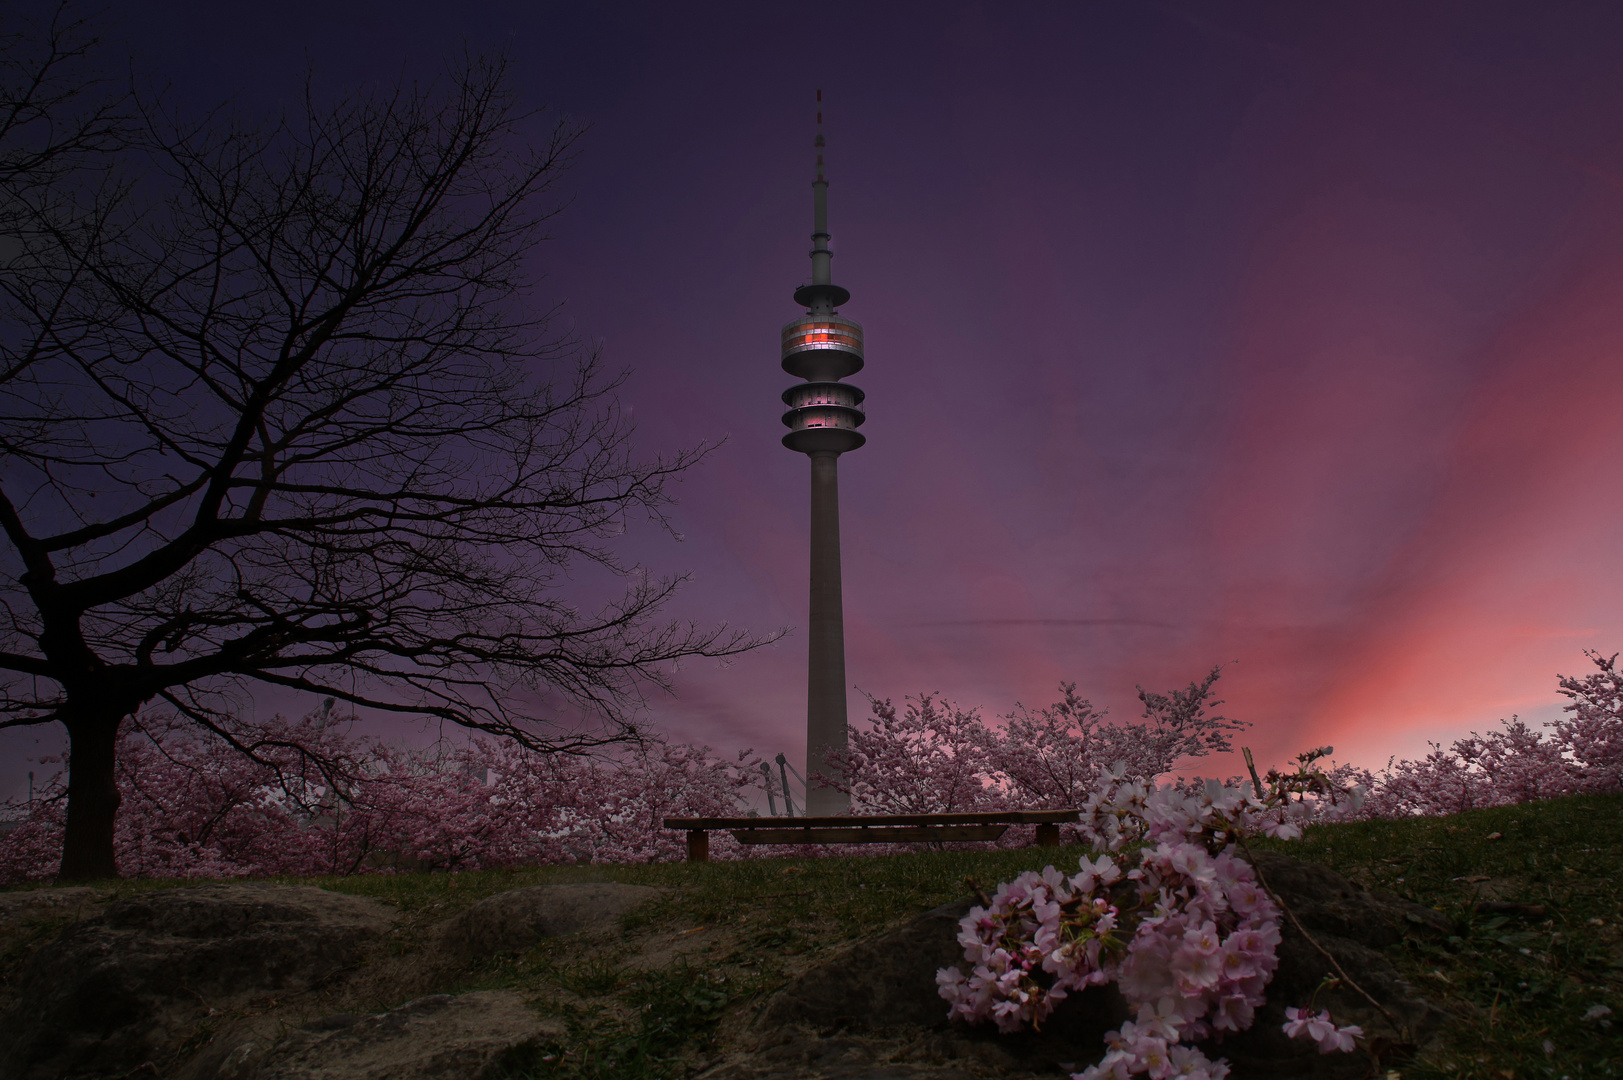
x: 1234, y: 1012
x: 1190, y: 1062
x: 1146, y: 973
x: 1246, y: 897
x: 1193, y: 950
x: 313, y: 799
x: 1102, y: 871
x: 1302, y: 1024
x: 1237, y: 965
x: 316, y: 800
x: 1195, y: 971
x: 936, y: 757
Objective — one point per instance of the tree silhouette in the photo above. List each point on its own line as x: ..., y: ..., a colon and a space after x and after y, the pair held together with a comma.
x: 273, y: 410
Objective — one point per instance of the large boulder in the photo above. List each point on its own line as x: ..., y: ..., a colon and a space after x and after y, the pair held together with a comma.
x: 847, y: 1056
x: 30, y: 918
x: 1354, y: 926
x: 440, y: 1037
x: 873, y: 1011
x: 133, y: 984
x: 514, y: 920
x: 887, y: 984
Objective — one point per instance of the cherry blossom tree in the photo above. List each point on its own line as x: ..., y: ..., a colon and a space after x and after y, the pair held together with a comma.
x: 1501, y: 768
x: 314, y: 799
x: 937, y: 758
x: 309, y: 797
x: 1054, y: 758
x: 1517, y: 764
x: 933, y: 759
x: 1593, y: 735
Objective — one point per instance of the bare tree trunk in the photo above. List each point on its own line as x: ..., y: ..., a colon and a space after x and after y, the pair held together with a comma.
x: 87, y: 846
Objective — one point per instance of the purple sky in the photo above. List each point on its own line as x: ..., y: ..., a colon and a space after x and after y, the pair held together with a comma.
x: 1275, y: 333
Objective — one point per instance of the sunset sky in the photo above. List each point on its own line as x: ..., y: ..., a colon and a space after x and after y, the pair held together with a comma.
x: 1276, y: 335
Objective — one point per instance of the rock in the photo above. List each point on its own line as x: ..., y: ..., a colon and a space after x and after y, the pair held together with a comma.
x: 74, y: 901
x: 31, y: 919
x: 1325, y: 901
x: 1353, y: 925
x: 442, y: 1037
x: 877, y: 1001
x: 882, y: 978
x: 133, y: 984
x: 888, y: 985
x: 516, y: 919
x: 835, y: 1057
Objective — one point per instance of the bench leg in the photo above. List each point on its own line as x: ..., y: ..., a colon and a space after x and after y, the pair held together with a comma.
x: 1048, y: 834
x: 698, y: 845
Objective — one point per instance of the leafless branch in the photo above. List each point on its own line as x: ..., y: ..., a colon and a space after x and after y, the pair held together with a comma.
x: 275, y: 406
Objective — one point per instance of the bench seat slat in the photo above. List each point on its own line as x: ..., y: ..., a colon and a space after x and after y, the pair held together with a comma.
x: 1006, y: 817
x: 883, y: 835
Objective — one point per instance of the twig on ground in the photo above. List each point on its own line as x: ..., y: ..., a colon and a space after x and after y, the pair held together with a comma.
x: 1335, y: 964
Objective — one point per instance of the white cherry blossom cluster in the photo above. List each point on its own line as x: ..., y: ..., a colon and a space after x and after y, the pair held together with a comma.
x: 1189, y: 934
x: 1042, y: 936
x: 1206, y: 945
x: 1121, y: 812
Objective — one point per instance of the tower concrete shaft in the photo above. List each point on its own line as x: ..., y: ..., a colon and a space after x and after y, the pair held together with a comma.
x: 823, y: 347
x: 825, y: 653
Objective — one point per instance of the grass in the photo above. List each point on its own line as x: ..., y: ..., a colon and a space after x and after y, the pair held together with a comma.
x: 684, y: 973
x: 727, y: 934
x: 1523, y: 976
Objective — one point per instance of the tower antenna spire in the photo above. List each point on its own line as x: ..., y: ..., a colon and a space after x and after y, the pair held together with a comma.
x: 822, y: 296
x: 818, y: 142
x: 822, y: 258
x: 823, y: 348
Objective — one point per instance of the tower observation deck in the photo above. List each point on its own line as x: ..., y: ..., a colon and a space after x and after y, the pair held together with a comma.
x: 823, y: 347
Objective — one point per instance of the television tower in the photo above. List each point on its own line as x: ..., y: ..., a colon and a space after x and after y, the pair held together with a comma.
x: 822, y: 348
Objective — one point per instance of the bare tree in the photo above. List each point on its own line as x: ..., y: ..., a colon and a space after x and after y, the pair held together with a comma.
x: 55, y: 113
x: 275, y: 411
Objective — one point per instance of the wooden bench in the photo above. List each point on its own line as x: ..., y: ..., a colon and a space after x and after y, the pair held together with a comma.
x: 870, y: 829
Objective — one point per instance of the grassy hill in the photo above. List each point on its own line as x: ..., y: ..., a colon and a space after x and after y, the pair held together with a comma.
x: 1532, y: 891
